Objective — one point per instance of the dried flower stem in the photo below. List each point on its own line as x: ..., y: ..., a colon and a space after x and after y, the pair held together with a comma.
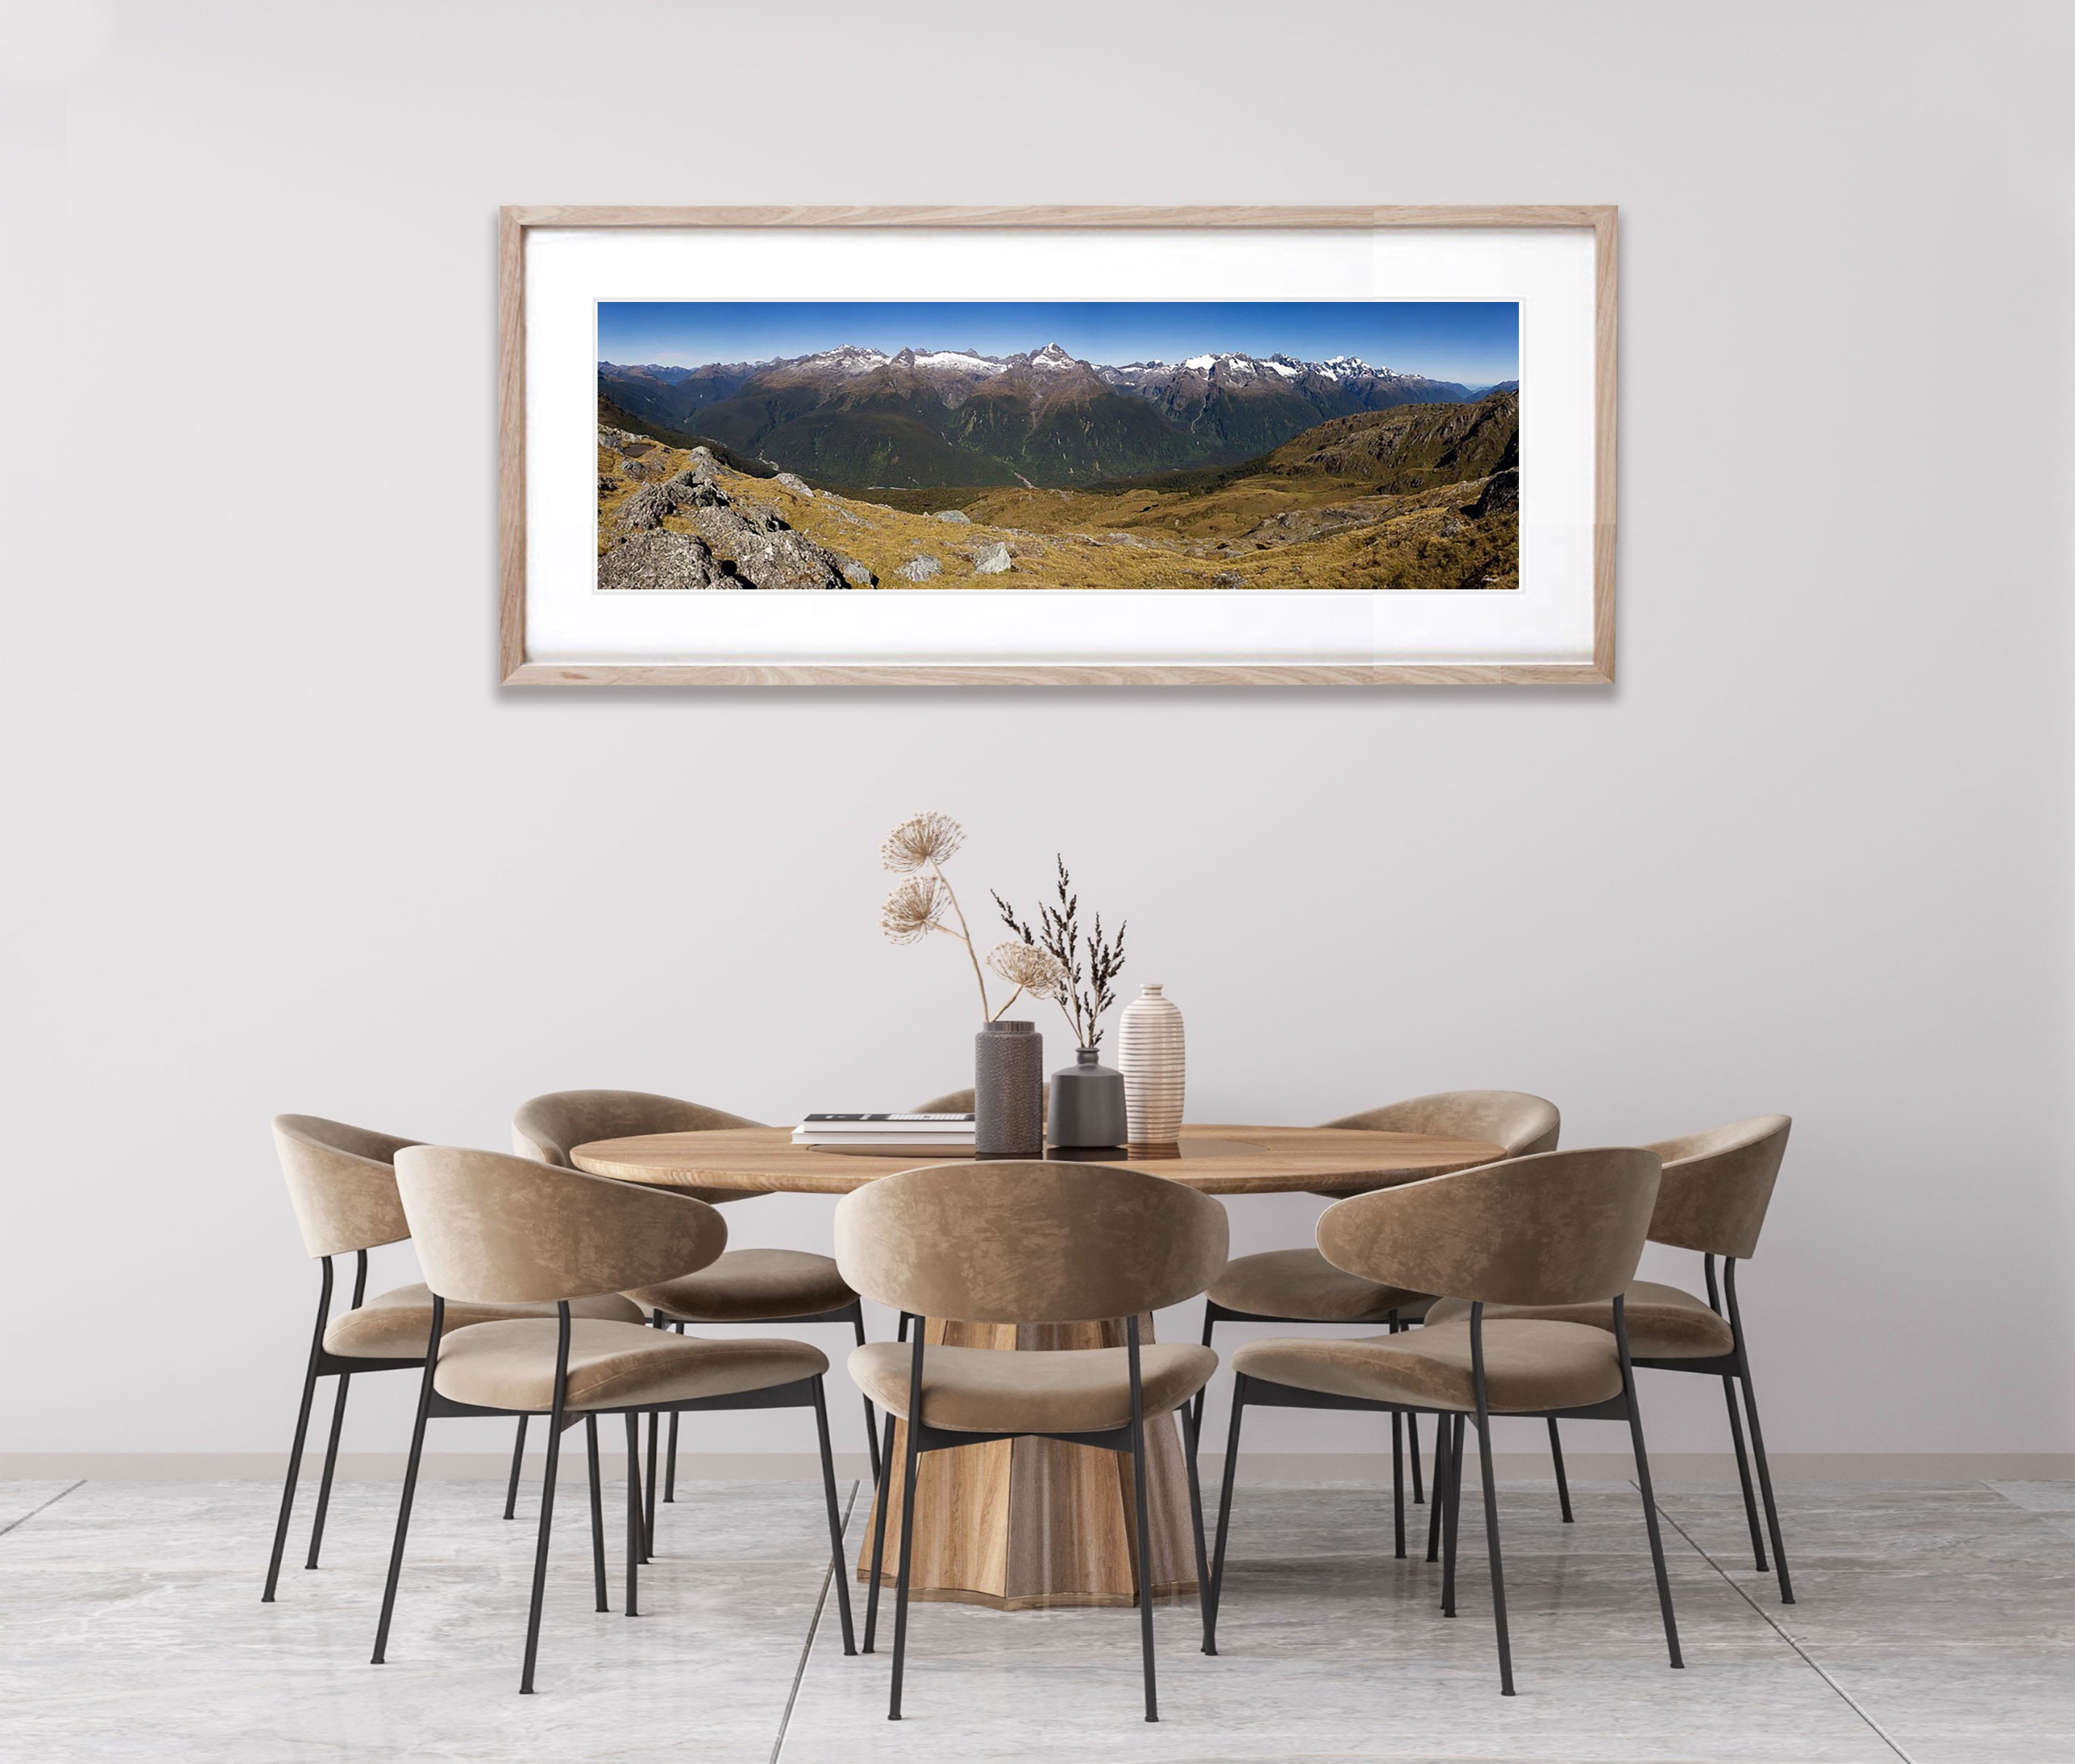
x: 964, y: 935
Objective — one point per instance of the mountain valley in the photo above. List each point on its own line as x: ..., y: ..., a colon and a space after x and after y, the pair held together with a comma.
x: 1413, y: 495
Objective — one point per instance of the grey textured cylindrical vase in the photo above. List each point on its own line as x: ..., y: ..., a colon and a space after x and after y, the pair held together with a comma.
x: 1009, y: 1092
x: 1149, y: 1051
x: 1087, y: 1104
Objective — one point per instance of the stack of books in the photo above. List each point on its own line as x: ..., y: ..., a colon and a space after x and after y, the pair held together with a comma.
x: 950, y: 1134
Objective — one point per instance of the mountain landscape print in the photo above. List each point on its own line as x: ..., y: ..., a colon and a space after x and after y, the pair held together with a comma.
x: 1126, y: 444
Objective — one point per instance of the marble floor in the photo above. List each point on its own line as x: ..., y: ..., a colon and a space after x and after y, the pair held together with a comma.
x: 1935, y: 1623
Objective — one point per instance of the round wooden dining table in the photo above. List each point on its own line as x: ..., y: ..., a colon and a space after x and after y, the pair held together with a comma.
x: 1027, y: 1523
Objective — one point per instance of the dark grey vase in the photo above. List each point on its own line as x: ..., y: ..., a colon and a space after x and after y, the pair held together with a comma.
x: 1009, y: 1092
x: 1087, y: 1104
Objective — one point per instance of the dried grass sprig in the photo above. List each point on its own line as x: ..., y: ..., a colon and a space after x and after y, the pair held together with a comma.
x: 1082, y: 994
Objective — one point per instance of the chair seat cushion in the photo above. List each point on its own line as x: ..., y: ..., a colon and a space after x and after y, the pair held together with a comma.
x: 1301, y: 1284
x: 1067, y: 1391
x: 750, y: 1285
x: 612, y: 1365
x: 395, y: 1326
x: 1663, y: 1323
x: 1529, y: 1365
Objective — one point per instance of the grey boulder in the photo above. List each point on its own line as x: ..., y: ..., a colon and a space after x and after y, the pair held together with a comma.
x: 919, y: 569
x: 768, y: 556
x: 797, y: 484
x: 993, y: 560
x: 955, y: 517
x: 661, y: 559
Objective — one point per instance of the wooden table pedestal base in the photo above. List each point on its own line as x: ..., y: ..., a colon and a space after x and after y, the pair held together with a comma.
x: 1024, y: 1524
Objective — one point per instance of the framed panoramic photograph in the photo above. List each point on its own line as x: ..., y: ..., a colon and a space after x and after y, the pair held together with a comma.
x: 1057, y: 446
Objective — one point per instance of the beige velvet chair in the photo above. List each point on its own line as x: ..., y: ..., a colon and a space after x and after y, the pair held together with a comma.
x: 343, y: 1186
x: 764, y: 1286
x: 499, y: 1231
x: 1300, y: 1285
x: 1557, y: 1228
x: 1012, y: 1242
x: 1716, y: 1187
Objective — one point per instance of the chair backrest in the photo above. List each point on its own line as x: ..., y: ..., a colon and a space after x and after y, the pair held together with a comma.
x: 1717, y: 1185
x: 341, y: 1183
x: 950, y: 1102
x: 549, y: 1127
x: 503, y: 1231
x: 1552, y: 1228
x: 1017, y: 1242
x: 1521, y: 1123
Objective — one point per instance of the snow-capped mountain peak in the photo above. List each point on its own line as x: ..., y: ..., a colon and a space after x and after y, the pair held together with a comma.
x: 848, y: 359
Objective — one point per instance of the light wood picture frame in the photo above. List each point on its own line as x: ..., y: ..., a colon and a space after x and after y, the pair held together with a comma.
x: 534, y: 649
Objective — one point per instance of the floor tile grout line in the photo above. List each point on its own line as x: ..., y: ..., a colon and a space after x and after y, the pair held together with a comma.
x: 1848, y: 1700
x: 813, y: 1624
x: 31, y: 1513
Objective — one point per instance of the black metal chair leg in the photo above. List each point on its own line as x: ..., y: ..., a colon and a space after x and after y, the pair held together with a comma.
x: 1452, y: 1522
x: 1756, y: 1433
x: 1398, y: 1484
x: 1196, y: 1529
x: 330, y: 1464
x: 907, y: 1558
x: 871, y: 1418
x: 1224, y: 1514
x: 1492, y: 1550
x: 1643, y: 1483
x: 1765, y: 1492
x: 518, y: 1462
x: 670, y: 1452
x: 1744, y: 1475
x: 540, y: 1550
x: 881, y: 1500
x: 410, y: 1483
x: 648, y: 1498
x: 1144, y: 1540
x: 1412, y: 1445
x: 634, y: 1528
x: 1210, y: 1324
x: 842, y: 1573
x: 597, y: 1514
x: 1437, y: 1514
x: 302, y: 1433
x: 1562, y: 1481
x: 561, y: 1390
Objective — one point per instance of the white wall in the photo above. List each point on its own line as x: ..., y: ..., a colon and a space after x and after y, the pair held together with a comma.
x: 276, y: 841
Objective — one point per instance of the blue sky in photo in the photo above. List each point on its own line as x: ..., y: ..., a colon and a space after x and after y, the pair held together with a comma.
x: 1476, y: 342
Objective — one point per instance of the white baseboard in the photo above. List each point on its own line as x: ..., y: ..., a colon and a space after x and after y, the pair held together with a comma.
x: 1254, y: 1467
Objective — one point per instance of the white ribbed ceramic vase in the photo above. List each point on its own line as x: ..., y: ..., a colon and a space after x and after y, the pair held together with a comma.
x: 1149, y: 1054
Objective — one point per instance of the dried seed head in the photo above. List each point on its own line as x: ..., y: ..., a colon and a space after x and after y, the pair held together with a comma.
x: 1039, y: 972
x: 921, y: 839
x: 913, y: 908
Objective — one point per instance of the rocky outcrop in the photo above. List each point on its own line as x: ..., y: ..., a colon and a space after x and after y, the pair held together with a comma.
x: 766, y: 553
x: 919, y: 569
x: 955, y: 517
x: 797, y: 484
x: 992, y: 560
x: 644, y: 509
x: 1500, y: 493
x: 732, y: 547
x: 662, y: 560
